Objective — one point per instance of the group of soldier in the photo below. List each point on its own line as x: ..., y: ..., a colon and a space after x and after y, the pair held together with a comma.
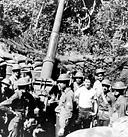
x: 80, y: 103
x: 19, y: 106
x: 97, y: 104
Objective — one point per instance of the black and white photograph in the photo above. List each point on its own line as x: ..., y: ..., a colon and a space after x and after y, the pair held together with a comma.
x: 63, y: 68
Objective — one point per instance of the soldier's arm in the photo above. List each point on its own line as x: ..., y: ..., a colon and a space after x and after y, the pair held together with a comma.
x: 95, y: 106
x: 122, y: 110
x: 9, y: 101
x: 77, y: 93
x: 69, y: 103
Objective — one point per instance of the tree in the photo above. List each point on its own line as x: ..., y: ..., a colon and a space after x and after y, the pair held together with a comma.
x: 99, y: 29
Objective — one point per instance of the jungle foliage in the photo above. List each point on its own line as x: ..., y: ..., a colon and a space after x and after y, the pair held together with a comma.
x: 94, y: 27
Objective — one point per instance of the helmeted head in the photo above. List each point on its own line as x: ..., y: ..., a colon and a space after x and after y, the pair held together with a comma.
x: 63, y: 77
x: 5, y: 84
x: 26, y: 72
x: 79, y: 74
x: 106, y: 85
x: 79, y: 77
x: 100, y: 74
x: 119, y: 88
x: 119, y: 85
x: 15, y: 67
x: 63, y: 81
x: 16, y: 70
x: 23, y: 82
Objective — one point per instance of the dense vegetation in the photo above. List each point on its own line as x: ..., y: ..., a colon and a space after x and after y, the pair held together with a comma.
x: 93, y: 27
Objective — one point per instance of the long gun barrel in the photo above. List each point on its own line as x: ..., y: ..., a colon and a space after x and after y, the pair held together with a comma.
x: 49, y: 61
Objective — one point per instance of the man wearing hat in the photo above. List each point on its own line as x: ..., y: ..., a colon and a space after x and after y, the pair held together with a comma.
x: 98, y: 83
x: 15, y: 76
x: 65, y: 107
x: 78, y: 80
x: 79, y: 77
x: 106, y: 101
x: 120, y: 105
x: 6, y: 91
x: 18, y: 102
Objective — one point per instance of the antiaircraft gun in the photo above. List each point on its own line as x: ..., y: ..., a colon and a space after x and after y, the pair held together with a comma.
x: 49, y: 61
x: 44, y: 84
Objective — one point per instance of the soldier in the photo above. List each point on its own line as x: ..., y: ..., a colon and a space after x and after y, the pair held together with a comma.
x: 106, y: 101
x: 65, y: 107
x: 120, y: 105
x: 97, y: 84
x: 79, y: 77
x: 15, y: 76
x: 87, y: 104
x: 19, y: 102
x: 78, y: 80
x: 6, y: 91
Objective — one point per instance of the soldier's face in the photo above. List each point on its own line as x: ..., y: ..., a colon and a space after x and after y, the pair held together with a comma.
x: 105, y: 88
x: 100, y: 77
x: 17, y: 73
x: 62, y: 85
x: 116, y: 93
x: 78, y: 80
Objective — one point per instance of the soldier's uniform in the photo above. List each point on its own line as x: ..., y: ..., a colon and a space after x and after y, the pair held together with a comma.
x: 19, y: 101
x: 6, y: 91
x: 120, y: 105
x: 15, y: 76
x: 106, y: 101
x: 97, y: 84
x: 65, y: 107
x: 79, y: 75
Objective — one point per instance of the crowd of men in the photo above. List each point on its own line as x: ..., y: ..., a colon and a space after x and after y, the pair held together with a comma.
x: 79, y: 103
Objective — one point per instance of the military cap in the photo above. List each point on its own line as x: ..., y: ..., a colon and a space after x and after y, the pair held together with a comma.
x: 79, y: 74
x: 6, y: 82
x: 100, y: 70
x: 25, y: 70
x: 63, y: 77
x: 106, y: 82
x: 16, y: 67
x: 119, y: 85
x: 23, y: 82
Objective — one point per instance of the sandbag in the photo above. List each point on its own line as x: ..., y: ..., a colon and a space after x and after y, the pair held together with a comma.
x: 117, y: 129
x: 92, y: 132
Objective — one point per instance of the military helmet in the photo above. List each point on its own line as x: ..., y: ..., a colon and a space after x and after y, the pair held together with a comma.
x: 100, y: 70
x: 63, y: 77
x: 119, y: 85
x: 16, y: 67
x: 6, y: 82
x: 25, y: 70
x: 79, y: 74
x: 106, y: 82
x: 23, y: 82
